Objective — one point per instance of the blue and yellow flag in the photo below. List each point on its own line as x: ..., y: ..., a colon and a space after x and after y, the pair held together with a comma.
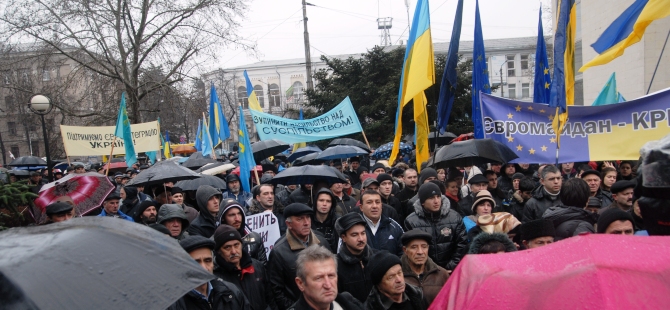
x: 609, y: 94
x: 542, y: 84
x: 198, y: 138
x: 418, y: 73
x: 299, y: 144
x: 480, y: 76
x: 167, y: 150
x: 218, y: 125
x: 246, y: 156
x: 207, y: 144
x: 563, y: 88
x: 626, y: 30
x: 123, y: 131
x: 253, y: 100
x: 450, y: 76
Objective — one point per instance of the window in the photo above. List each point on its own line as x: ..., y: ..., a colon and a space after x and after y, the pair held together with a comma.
x: 15, y: 151
x: 35, y: 147
x: 525, y: 90
x: 46, y: 75
x: 242, y: 97
x: 295, y: 92
x: 275, y: 97
x: 511, y: 90
x: 259, y: 94
x: 11, y: 128
x: 510, y: 66
x: 524, y: 62
x: 9, y: 102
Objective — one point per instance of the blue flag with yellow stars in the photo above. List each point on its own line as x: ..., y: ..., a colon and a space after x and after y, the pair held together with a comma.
x: 480, y: 76
x: 542, y: 87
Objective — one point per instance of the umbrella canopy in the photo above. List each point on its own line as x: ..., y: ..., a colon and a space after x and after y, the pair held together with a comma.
x: 308, y: 174
x: 349, y: 141
x: 197, y: 160
x: 442, y: 139
x: 27, y: 161
x: 281, y: 156
x: 192, y: 185
x: 309, y: 159
x: 184, y: 149
x: 473, y: 152
x: 87, y: 190
x: 583, y: 272
x: 258, y: 168
x: 216, y: 168
x: 119, y: 166
x: 341, y: 151
x: 97, y: 263
x: 384, y: 151
x: 161, y: 172
x: 266, y: 148
x: 302, y: 152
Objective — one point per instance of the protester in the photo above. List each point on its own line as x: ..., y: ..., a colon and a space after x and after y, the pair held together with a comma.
x: 264, y: 200
x: 491, y: 243
x: 178, y: 198
x: 594, y: 205
x: 353, y: 257
x: 58, y: 212
x: 208, y: 199
x: 302, y: 194
x: 568, y: 171
x: 544, y: 196
x: 354, y: 193
x: 232, y: 213
x: 592, y: 178
x: 519, y: 198
x: 418, y: 268
x: 324, y: 216
x: 110, y: 207
x: 370, y: 183
x: 625, y: 171
x: 383, y: 233
x: 570, y: 218
x: 411, y: 188
x: 608, y: 175
x: 386, y: 189
x: 616, y: 221
x: 389, y: 289
x: 504, y: 181
x: 147, y: 213
x: 477, y: 183
x: 622, y: 194
x: 234, y: 191
x: 343, y: 202
x: 537, y: 233
x: 173, y: 217
x: 498, y: 195
x: 130, y: 200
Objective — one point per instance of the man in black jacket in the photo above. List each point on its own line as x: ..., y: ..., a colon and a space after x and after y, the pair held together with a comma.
x: 386, y: 189
x: 390, y: 290
x: 232, y: 213
x: 343, y: 202
x: 264, y: 200
x: 353, y: 257
x: 571, y: 218
x: 411, y: 179
x: 383, y: 232
x: 324, y: 217
x: 208, y: 199
x: 546, y: 195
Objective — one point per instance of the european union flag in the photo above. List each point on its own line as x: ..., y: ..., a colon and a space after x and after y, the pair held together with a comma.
x: 450, y: 76
x: 246, y: 156
x: 480, y: 76
x: 123, y: 131
x: 542, y: 87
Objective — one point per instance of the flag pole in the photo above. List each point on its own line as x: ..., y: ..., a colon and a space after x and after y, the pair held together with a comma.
x: 366, y: 139
x: 109, y: 161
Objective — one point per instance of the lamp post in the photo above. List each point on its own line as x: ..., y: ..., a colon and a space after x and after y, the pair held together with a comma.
x: 41, y: 104
x: 502, y: 89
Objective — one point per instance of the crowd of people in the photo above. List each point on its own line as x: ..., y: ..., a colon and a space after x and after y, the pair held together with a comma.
x: 382, y: 238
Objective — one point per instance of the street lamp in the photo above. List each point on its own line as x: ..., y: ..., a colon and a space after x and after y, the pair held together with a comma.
x: 41, y: 104
x: 502, y: 89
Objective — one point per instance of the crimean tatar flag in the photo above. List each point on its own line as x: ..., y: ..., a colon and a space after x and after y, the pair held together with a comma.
x: 123, y: 131
x: 218, y: 125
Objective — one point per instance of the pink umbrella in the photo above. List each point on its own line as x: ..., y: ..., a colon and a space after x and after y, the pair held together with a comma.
x: 583, y: 272
x: 87, y: 190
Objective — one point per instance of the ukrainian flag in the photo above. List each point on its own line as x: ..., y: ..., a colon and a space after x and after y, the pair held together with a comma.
x: 253, y: 101
x: 246, y: 156
x: 627, y: 30
x: 418, y: 73
x: 563, y: 87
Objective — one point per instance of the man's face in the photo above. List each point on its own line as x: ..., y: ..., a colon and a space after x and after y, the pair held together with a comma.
x: 625, y: 169
x: 567, y: 167
x: 355, y: 165
x: 320, y: 284
x: 385, y: 188
x: 493, y: 181
x: 433, y: 204
x: 510, y: 170
x: 430, y: 178
x: 233, y: 217
x: 410, y: 178
x: 323, y: 203
x: 300, y: 225
x: 371, y: 206
x: 393, y: 282
x: 538, y: 242
x: 373, y: 187
x: 36, y: 178
x: 203, y: 256
x: 178, y: 198
x: 593, y: 181
x: 231, y: 251
x: 60, y: 217
x: 346, y: 186
x: 266, y: 197
x: 118, y: 180
x: 337, y: 188
x: 174, y: 226
x: 355, y: 239
x: 270, y: 172
x: 515, y: 184
x: 496, y: 168
x: 526, y: 195
x: 149, y: 215
x: 213, y: 204
x: 477, y: 187
x: 234, y: 187
x: 552, y: 182
x: 620, y: 228
x: 416, y: 251
x: 124, y: 181
x: 79, y: 170
x: 624, y: 198
x: 111, y: 206
x: 378, y: 171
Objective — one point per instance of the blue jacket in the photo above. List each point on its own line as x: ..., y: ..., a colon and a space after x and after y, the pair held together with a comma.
x: 387, y: 237
x: 121, y: 215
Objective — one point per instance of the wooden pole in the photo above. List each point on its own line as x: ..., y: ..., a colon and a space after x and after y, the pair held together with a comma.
x: 109, y: 161
x: 366, y: 139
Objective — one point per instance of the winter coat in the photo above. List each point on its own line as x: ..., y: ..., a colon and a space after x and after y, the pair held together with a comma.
x: 538, y: 204
x: 404, y: 196
x: 449, y: 242
x: 431, y: 281
x: 483, y: 238
x: 119, y: 214
x: 132, y: 201
x: 414, y: 295
x: 351, y: 272
x: 300, y: 195
x: 344, y: 205
x: 251, y: 240
x: 241, y: 198
x: 327, y: 228
x: 191, y: 212
x: 345, y: 300
x: 505, y: 183
x: 224, y: 296
x: 252, y: 280
x: 605, y: 197
x: 570, y: 221
x: 387, y: 237
x: 170, y: 211
x: 205, y: 224
x: 282, y: 267
x: 465, y: 205
x: 283, y: 195
x: 277, y: 210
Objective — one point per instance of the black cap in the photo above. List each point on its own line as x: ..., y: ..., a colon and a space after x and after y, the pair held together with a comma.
x: 344, y: 223
x: 384, y: 177
x: 176, y: 190
x: 225, y: 233
x: 118, y: 175
x: 427, y: 173
x: 383, y: 262
x: 587, y: 172
x: 622, y: 185
x: 428, y: 190
x: 232, y: 178
x: 594, y: 202
x: 113, y: 196
x: 517, y: 175
x: 536, y: 229
x: 377, y: 166
x: 477, y: 179
x: 58, y: 207
x: 610, y: 215
x: 196, y: 242
x: 415, y: 234
x: 296, y: 209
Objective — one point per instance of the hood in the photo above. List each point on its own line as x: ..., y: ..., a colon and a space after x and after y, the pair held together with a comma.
x: 484, y: 238
x: 203, y: 194
x: 131, y: 194
x: 169, y: 211
x: 560, y: 214
x: 444, y: 209
x: 226, y: 205
x: 333, y: 204
x: 473, y: 172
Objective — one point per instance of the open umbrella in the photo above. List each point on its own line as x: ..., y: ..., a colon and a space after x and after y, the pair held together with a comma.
x: 442, y: 139
x: 302, y: 152
x: 192, y: 185
x: 95, y: 263
x: 473, y: 152
x: 184, y: 149
x: 87, y: 190
x: 27, y: 161
x: 197, y: 160
x: 341, y: 151
x: 349, y: 141
x: 384, y: 151
x: 118, y: 166
x: 307, y: 175
x: 281, y: 156
x: 217, y: 169
x: 162, y: 172
x: 266, y: 148
x: 583, y: 272
x: 309, y: 159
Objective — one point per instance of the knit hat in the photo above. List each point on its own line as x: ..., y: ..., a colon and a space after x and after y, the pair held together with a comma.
x: 58, y: 207
x: 477, y: 179
x: 413, y: 234
x: 266, y: 178
x: 232, y: 178
x: 377, y: 166
x: 344, y: 223
x: 195, y: 242
x: 536, y: 229
x: 428, y: 190
x: 143, y: 207
x: 384, y: 177
x: 383, y: 262
x: 609, y: 216
x: 517, y: 175
x: 483, y: 195
x: 620, y: 186
x: 427, y: 173
x: 225, y: 233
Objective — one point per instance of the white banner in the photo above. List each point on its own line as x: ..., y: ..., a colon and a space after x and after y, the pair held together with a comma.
x: 266, y: 225
x: 98, y: 140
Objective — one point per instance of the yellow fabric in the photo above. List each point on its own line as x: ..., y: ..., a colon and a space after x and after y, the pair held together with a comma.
x: 655, y: 9
x: 558, y: 123
x: 421, y: 121
x: 253, y: 102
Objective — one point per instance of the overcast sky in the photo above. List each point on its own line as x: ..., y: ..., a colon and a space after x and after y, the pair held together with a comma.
x: 350, y: 26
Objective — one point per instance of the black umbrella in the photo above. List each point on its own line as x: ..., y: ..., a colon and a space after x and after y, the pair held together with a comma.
x: 341, y: 151
x: 161, y: 172
x: 473, y: 152
x: 442, y: 139
x: 307, y: 175
x: 302, y: 152
x: 309, y: 159
x: 281, y: 156
x: 94, y: 263
x: 266, y: 148
x: 192, y: 185
x: 197, y: 160
x: 349, y: 141
x: 27, y: 161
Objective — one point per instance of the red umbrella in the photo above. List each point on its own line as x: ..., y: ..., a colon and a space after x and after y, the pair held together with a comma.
x: 583, y: 272
x: 87, y: 190
x: 259, y: 168
x: 116, y: 166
